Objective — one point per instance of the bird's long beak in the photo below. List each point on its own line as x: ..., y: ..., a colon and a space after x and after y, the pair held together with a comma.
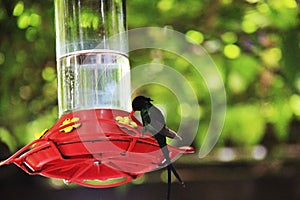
x: 131, y: 113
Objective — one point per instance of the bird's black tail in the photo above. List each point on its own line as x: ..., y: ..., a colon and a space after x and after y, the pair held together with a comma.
x: 164, y: 148
x: 171, y: 169
x: 169, y: 183
x: 170, y: 165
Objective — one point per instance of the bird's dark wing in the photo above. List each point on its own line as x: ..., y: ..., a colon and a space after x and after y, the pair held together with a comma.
x: 145, y: 117
x: 155, y: 121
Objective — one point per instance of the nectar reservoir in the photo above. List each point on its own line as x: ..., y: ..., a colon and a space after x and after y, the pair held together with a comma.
x: 91, y: 49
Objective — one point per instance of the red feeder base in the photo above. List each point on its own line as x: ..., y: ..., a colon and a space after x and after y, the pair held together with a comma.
x: 95, y: 148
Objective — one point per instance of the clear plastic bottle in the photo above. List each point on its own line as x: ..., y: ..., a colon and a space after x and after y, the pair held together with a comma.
x: 91, y: 48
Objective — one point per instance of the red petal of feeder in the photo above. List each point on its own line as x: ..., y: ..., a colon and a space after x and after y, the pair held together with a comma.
x: 92, y: 149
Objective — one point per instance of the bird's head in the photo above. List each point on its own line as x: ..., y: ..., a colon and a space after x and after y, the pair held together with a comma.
x: 139, y: 103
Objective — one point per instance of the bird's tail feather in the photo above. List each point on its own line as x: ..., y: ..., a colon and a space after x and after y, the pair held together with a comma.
x: 171, y: 167
x: 169, y: 184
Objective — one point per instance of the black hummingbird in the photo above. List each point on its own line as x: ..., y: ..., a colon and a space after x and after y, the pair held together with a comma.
x: 154, y: 123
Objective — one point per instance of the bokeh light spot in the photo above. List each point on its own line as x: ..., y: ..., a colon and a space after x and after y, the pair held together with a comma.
x: 226, y: 154
x: 23, y: 21
x: 18, y: 9
x: 35, y: 20
x: 232, y: 51
x: 165, y: 5
x: 194, y: 37
x: 48, y: 74
x: 2, y: 58
x: 271, y: 57
x: 295, y: 104
x: 229, y: 37
x: 259, y: 152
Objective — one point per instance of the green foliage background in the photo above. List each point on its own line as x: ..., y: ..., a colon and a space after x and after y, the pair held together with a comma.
x: 255, y: 44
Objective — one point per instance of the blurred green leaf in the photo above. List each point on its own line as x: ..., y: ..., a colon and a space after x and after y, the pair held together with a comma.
x: 244, y: 125
x: 6, y: 137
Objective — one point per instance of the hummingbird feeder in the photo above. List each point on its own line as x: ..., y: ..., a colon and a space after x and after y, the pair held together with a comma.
x: 94, y: 143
